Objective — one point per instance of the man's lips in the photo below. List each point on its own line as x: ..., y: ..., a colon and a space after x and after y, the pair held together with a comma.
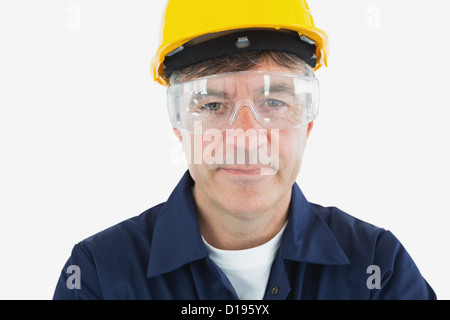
x: 250, y: 170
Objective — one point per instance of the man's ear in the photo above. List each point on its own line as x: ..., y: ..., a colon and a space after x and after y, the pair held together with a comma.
x: 310, y: 126
x: 177, y: 133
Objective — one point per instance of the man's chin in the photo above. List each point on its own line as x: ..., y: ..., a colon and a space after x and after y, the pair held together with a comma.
x: 243, y: 185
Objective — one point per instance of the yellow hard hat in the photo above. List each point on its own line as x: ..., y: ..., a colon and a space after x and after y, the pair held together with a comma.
x: 187, y: 20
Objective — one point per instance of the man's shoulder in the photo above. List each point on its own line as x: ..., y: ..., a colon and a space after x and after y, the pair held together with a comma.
x: 335, y: 216
x: 349, y: 229
x: 107, y: 258
x: 372, y: 250
x: 121, y: 235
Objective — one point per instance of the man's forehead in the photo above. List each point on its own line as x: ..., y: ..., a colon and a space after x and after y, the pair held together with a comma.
x: 244, y: 81
x: 265, y: 63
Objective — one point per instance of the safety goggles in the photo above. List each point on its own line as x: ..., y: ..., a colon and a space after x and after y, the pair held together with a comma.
x: 277, y: 100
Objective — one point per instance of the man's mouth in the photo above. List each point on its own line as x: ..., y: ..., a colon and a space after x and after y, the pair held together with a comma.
x: 244, y: 170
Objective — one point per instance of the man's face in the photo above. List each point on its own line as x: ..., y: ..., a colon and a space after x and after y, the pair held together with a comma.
x: 244, y: 187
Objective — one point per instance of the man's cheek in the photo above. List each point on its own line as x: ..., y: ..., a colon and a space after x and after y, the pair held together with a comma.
x: 270, y: 153
x: 291, y: 148
x: 213, y: 147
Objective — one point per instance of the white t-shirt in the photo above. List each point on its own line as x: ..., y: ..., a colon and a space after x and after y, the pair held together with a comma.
x: 248, y: 270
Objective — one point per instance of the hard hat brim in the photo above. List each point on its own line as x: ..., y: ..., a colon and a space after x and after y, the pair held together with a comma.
x: 241, y: 41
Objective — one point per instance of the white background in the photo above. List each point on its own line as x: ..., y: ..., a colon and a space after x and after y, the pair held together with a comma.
x: 85, y: 140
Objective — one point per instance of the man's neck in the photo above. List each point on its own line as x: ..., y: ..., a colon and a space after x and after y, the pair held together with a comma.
x: 243, y: 230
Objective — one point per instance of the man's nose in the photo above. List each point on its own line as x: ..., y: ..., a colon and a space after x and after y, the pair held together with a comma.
x: 245, y: 132
x: 244, y: 118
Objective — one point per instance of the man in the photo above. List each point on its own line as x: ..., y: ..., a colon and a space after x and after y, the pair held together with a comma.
x: 242, y: 99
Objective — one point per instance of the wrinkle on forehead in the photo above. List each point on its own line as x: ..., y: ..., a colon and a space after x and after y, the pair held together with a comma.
x: 249, y: 85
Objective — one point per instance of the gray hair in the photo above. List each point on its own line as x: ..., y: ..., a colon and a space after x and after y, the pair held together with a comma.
x: 242, y: 61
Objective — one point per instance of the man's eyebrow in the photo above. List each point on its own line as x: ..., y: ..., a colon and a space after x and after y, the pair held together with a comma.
x: 276, y: 88
x: 210, y: 93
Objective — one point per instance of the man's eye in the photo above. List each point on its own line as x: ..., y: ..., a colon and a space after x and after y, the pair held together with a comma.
x: 213, y: 106
x: 273, y: 103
